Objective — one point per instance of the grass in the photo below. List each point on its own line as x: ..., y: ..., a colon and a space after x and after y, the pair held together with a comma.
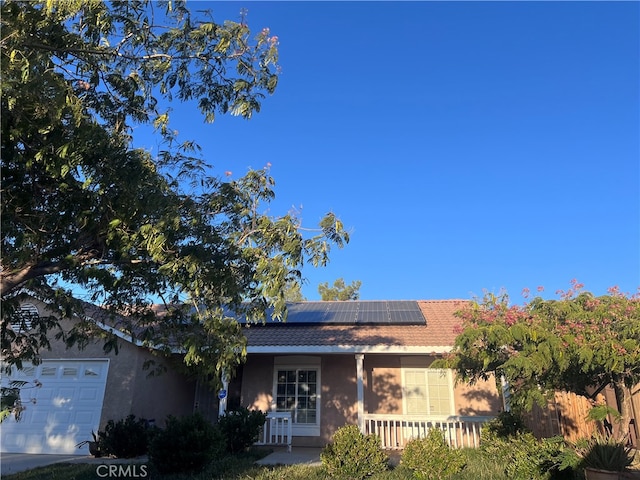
x: 243, y: 467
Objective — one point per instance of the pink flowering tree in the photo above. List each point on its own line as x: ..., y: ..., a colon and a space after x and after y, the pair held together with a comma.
x: 579, y: 343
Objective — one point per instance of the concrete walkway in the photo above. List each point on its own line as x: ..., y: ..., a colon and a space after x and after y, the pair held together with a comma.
x: 297, y: 456
x: 19, y: 462
x: 11, y: 463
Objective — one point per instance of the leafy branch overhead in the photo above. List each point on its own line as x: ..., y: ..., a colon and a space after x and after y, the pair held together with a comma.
x: 82, y: 205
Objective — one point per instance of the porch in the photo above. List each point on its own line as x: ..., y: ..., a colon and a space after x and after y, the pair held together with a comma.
x: 394, y: 430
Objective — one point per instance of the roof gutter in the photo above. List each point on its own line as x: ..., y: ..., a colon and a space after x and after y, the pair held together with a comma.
x: 336, y: 349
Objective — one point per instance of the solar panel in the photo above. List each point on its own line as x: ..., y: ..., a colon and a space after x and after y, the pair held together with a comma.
x: 391, y: 312
x: 372, y: 306
x: 379, y: 317
x: 308, y: 312
x: 406, y: 312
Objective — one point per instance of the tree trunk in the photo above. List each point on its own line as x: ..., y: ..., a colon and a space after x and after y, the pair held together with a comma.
x: 623, y: 397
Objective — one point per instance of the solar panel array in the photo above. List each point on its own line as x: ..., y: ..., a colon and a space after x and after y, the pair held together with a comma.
x: 356, y: 312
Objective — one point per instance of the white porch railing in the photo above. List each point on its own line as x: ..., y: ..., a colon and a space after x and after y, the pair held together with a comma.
x: 276, y: 430
x: 396, y: 430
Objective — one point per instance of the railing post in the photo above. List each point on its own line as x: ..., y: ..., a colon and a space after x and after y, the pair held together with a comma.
x: 360, y: 389
x: 222, y: 395
x: 395, y: 431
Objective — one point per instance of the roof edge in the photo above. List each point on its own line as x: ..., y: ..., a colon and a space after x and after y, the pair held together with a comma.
x: 336, y: 349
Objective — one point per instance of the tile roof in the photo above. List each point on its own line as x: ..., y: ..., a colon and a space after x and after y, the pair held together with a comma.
x: 437, y: 332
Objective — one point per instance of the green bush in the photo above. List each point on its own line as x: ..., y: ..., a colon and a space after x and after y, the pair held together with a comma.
x: 126, y: 438
x: 186, y: 445
x: 431, y: 458
x: 506, y: 424
x: 508, y: 442
x: 353, y: 455
x: 241, y: 428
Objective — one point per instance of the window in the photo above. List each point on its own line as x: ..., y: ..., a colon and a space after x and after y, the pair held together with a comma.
x: 26, y: 315
x: 49, y: 371
x: 92, y: 372
x: 296, y: 389
x: 427, y: 391
x: 297, y: 392
x: 70, y: 372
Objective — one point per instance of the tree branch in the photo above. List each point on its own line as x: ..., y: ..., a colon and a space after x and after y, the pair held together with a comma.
x: 9, y: 281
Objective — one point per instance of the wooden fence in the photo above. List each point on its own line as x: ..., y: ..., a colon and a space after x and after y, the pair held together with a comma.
x: 564, y: 415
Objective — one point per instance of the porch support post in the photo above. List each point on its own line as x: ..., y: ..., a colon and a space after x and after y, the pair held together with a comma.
x: 360, y: 389
x: 506, y: 394
x: 222, y: 395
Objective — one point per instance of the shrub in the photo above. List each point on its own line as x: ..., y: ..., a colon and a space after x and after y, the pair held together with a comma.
x: 126, y: 438
x: 508, y: 442
x: 241, y: 428
x: 431, y: 458
x: 604, y: 453
x: 353, y: 455
x: 186, y: 444
x: 506, y: 424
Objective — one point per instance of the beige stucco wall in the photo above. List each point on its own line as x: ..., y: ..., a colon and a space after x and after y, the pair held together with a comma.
x: 382, y: 390
x: 129, y: 388
x: 481, y: 398
x: 257, y: 382
x: 338, y: 392
x: 383, y: 384
x: 384, y: 387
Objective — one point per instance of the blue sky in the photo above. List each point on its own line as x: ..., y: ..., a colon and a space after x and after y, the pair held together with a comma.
x: 468, y: 146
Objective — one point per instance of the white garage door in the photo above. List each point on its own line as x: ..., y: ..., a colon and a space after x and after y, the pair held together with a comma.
x: 67, y: 407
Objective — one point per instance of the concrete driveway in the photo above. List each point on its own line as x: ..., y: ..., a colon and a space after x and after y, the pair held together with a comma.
x: 20, y: 462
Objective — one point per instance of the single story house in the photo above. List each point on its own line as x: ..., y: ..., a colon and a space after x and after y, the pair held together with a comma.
x: 364, y: 363
x: 330, y: 364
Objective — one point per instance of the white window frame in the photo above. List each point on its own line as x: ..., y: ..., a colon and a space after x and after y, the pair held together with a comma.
x: 299, y: 362
x: 410, y: 365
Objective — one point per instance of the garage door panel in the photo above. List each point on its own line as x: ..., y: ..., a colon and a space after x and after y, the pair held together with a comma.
x: 60, y: 418
x: 90, y: 393
x: 68, y: 407
x: 38, y: 417
x: 45, y: 394
x: 83, y: 417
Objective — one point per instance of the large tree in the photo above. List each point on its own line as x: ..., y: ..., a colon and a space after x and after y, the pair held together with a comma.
x: 578, y: 343
x: 83, y: 208
x: 339, y: 291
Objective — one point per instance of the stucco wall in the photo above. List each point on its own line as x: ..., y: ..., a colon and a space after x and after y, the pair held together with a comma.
x: 339, y: 394
x: 129, y: 388
x: 382, y: 390
x: 257, y: 382
x: 481, y: 399
x: 383, y: 384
